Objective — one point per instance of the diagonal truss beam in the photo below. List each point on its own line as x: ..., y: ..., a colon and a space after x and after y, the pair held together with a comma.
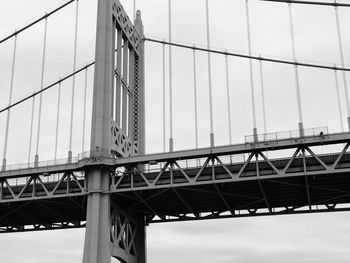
x: 187, y: 205
x: 149, y: 206
x: 223, y: 199
x: 306, y: 181
x: 261, y: 184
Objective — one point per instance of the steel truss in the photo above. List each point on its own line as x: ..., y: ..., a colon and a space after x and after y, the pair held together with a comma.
x: 326, y: 205
x: 303, y: 162
x: 42, y: 186
x: 123, y: 235
x: 203, y: 184
x: 43, y: 214
x: 40, y: 202
x: 42, y: 227
x: 305, y: 182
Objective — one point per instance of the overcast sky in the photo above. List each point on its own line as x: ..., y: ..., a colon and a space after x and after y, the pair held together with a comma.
x: 302, y: 238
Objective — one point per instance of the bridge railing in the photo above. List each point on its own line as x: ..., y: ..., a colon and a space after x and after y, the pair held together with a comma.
x: 34, y: 165
x: 285, y: 135
x: 191, y: 163
x: 45, y: 178
x: 196, y: 163
x: 57, y: 162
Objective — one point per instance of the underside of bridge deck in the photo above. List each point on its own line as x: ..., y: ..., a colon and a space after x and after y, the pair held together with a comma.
x: 252, y: 194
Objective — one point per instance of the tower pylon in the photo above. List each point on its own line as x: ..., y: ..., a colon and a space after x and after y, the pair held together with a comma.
x: 110, y: 231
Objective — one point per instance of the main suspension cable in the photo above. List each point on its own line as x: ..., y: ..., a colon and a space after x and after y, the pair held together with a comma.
x: 18, y: 31
x: 47, y: 87
x: 241, y: 55
x: 309, y: 3
x: 214, y: 51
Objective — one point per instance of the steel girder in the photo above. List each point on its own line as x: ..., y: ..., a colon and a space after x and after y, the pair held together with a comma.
x: 304, y: 182
x: 43, y: 214
x: 42, y: 227
x: 42, y: 186
x: 303, y: 162
x: 311, y: 183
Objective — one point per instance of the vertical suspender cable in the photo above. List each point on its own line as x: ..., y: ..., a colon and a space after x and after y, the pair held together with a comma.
x: 164, y: 143
x: 195, y: 96
x: 338, y: 99
x: 171, y: 140
x: 198, y: 162
x: 296, y: 72
x: 255, y: 132
x: 57, y: 117
x: 134, y: 10
x: 84, y: 111
x: 73, y: 87
x: 209, y: 76
x: 228, y: 100
x: 10, y: 99
x: 31, y: 131
x: 341, y: 53
x: 263, y: 94
x: 41, y: 94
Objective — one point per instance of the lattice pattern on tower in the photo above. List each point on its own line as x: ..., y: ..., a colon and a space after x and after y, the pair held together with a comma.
x: 126, y: 100
x: 136, y: 100
x: 124, y: 23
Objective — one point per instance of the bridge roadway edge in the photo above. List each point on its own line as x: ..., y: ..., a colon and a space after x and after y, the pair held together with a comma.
x: 224, y: 197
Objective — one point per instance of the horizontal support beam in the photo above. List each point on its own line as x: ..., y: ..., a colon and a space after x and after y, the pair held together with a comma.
x: 209, y: 181
x: 188, y: 217
x: 32, y: 228
x: 258, y: 212
x: 183, y: 218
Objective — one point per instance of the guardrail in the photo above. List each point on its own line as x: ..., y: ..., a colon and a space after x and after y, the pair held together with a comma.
x: 52, y: 163
x: 260, y: 138
x: 284, y: 135
x: 34, y: 165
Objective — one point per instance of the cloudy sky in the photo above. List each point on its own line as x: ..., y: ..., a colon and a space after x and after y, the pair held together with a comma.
x: 302, y: 238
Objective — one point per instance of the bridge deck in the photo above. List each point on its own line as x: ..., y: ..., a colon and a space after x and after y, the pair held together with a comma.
x: 302, y: 183
x: 21, y: 170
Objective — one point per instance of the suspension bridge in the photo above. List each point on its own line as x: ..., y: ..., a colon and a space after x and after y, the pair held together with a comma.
x: 107, y: 182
